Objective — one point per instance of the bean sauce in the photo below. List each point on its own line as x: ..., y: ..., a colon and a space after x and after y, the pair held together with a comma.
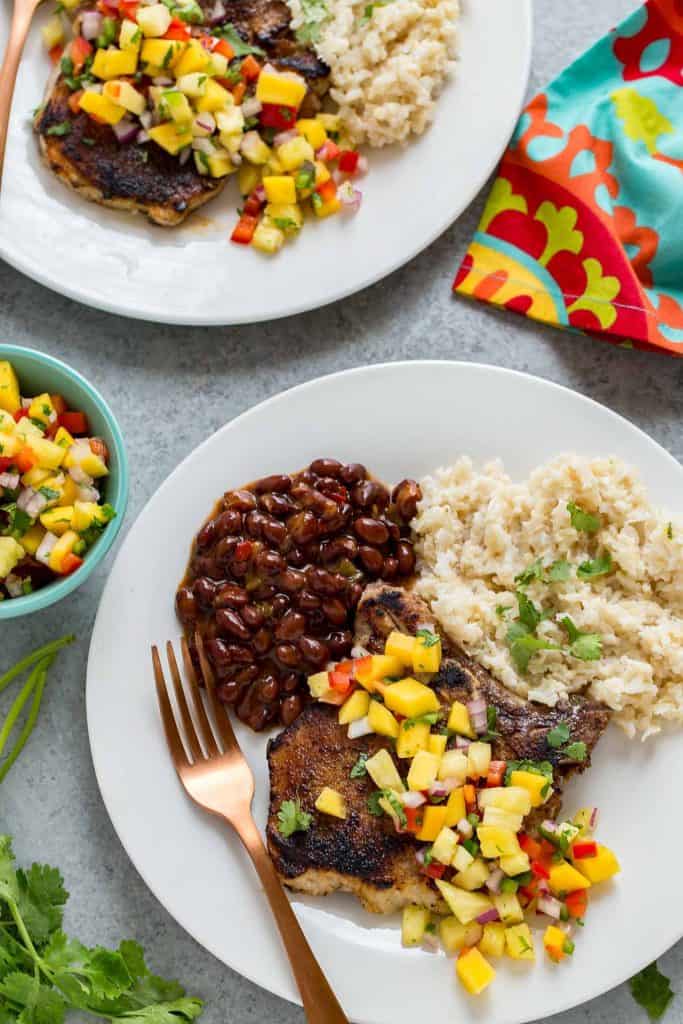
x: 276, y: 574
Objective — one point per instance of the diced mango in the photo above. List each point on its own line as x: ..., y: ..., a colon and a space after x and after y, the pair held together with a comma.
x: 383, y: 772
x: 294, y: 153
x: 35, y: 477
x: 437, y: 745
x: 462, y: 859
x: 32, y: 539
x: 215, y: 98
x: 466, y: 906
x: 281, y: 88
x: 193, y: 58
x: 100, y: 107
x: 474, y: 971
x: 322, y: 175
x: 412, y: 738
x: 320, y: 689
x: 312, y: 130
x: 69, y: 492
x: 565, y: 878
x: 171, y: 137
x: 553, y: 940
x: 455, y: 807
x: 355, y: 708
x: 427, y: 654
x: 123, y: 94
x: 331, y: 802
x: 434, y: 819
x: 382, y: 721
x: 537, y: 786
x: 113, y: 63
x: 454, y: 936
x: 459, y: 721
x: 410, y: 698
x: 48, y: 454
x: 399, y: 645
x: 10, y: 444
x: 423, y: 771
x: 63, y: 438
x: 507, y: 798
x: 84, y: 514
x: 164, y: 54
x: 220, y: 165
x: 445, y: 846
x: 58, y: 520
x: 493, y: 940
x: 326, y: 208
x: 41, y: 409
x: 414, y: 925
x: 374, y: 668
x: 248, y: 177
x: 279, y: 189
x: 473, y: 877
x: 63, y: 547
x: 600, y: 868
x: 509, y: 908
x: 52, y: 32
x: 519, y: 942
x: 497, y: 842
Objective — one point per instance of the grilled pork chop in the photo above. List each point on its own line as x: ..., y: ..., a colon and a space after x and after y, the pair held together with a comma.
x: 363, y: 854
x: 146, y: 179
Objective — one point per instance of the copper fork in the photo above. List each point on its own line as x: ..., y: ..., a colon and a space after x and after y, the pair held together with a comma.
x: 22, y: 16
x: 217, y: 777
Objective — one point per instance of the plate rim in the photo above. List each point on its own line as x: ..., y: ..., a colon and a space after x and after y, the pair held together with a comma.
x: 593, y: 991
x: 86, y: 296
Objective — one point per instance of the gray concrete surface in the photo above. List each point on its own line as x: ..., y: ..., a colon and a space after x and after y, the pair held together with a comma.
x: 172, y: 387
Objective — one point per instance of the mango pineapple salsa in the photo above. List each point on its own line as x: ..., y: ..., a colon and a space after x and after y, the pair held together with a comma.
x: 51, y: 474
x: 440, y: 782
x: 158, y: 75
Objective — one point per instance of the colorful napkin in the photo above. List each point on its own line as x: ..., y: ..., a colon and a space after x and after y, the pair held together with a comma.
x: 584, y: 225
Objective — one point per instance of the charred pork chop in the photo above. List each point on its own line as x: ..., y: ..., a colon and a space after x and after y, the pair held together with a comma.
x: 363, y: 854
x: 146, y: 179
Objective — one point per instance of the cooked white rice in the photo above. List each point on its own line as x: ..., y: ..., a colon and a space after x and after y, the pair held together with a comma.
x: 477, y: 530
x: 386, y: 69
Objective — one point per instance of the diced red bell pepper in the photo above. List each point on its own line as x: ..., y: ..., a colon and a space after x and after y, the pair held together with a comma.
x: 80, y: 51
x: 328, y: 151
x: 250, y: 68
x: 434, y: 870
x: 5, y: 463
x: 361, y: 665
x: 340, y: 682
x: 128, y: 9
x: 327, y: 191
x: 239, y: 92
x: 58, y: 404
x: 346, y: 667
x: 577, y: 903
x: 243, y: 551
x: 56, y: 53
x: 177, y: 30
x: 75, y: 422
x: 555, y: 953
x: 99, y: 448
x: 70, y: 563
x: 25, y: 459
x: 496, y: 774
x: 221, y: 46
x: 470, y: 794
x: 348, y: 161
x: 539, y: 870
x: 585, y: 849
x: 252, y: 208
x: 273, y: 115
x: 75, y: 101
x: 244, y: 229
x: 20, y: 414
x: 528, y: 893
x: 530, y: 846
x: 414, y: 816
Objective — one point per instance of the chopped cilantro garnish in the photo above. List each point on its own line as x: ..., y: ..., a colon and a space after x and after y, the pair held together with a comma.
x: 529, y: 615
x: 559, y: 572
x: 18, y: 521
x: 491, y: 723
x: 502, y: 610
x: 531, y: 573
x: 543, y: 768
x: 315, y: 13
x: 429, y: 718
x: 558, y: 736
x: 523, y: 646
x: 292, y: 819
x: 390, y: 797
x: 67, y: 66
x: 285, y: 223
x: 26, y: 586
x: 359, y: 770
x: 585, y: 522
x: 576, y: 751
x: 524, y: 945
x: 59, y: 129
x: 595, y: 567
x: 241, y: 48
x: 87, y: 142
x: 428, y: 638
x: 584, y: 646
x: 49, y: 493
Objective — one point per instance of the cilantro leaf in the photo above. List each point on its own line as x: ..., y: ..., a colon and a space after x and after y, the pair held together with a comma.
x: 373, y: 803
x: 315, y: 13
x: 532, y: 573
x: 41, y: 900
x: 359, y: 771
x: 428, y: 638
x: 59, y: 129
x: 502, y: 610
x: 241, y: 48
x: 594, y: 567
x: 585, y: 522
x: 558, y: 736
x: 390, y: 797
x: 292, y: 819
x: 491, y: 723
x: 584, y: 646
x: 429, y: 718
x: 576, y: 751
x: 524, y: 645
x: 529, y: 615
x: 559, y: 572
x: 652, y: 990
x: 38, y: 1003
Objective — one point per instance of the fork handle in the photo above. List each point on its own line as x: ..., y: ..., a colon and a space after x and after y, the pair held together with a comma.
x: 21, y: 20
x: 320, y: 1002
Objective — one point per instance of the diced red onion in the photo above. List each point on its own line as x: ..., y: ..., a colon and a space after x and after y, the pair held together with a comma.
x: 235, y: 159
x: 477, y: 713
x: 251, y: 107
x: 550, y: 906
x: 95, y: 87
x: 146, y: 119
x: 88, y: 494
x: 420, y: 857
x: 204, y: 146
x: 461, y: 743
x: 31, y: 502
x: 207, y: 122
x: 412, y: 799
x: 52, y: 418
x: 162, y: 80
x: 9, y: 480
x: 91, y: 24
x: 26, y: 403
x: 489, y: 916
x: 464, y: 828
x: 430, y: 943
x: 184, y: 155
x: 361, y: 727
x: 217, y: 15
x: 549, y: 826
x: 45, y: 548
x: 125, y: 131
x: 443, y: 787
x: 358, y: 651
x: 350, y: 197
x: 260, y: 194
x: 142, y: 137
x: 282, y: 137
x: 15, y: 585
x: 79, y: 476
x: 494, y: 880
x: 594, y: 817
x: 543, y: 886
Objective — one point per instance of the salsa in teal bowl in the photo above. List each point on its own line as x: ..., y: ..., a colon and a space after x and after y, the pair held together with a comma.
x: 40, y: 374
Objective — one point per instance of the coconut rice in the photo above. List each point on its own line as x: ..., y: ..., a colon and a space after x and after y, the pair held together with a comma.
x: 476, y: 531
x: 388, y: 63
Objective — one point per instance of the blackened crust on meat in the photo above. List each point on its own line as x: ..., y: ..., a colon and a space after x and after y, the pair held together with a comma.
x: 118, y: 175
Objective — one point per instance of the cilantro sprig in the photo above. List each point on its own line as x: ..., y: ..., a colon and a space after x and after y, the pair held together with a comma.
x: 558, y: 738
x: 584, y: 646
x: 359, y: 771
x: 291, y: 818
x: 584, y: 522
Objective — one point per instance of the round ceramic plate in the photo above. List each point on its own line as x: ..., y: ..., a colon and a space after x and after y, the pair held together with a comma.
x: 193, y: 275
x: 400, y: 420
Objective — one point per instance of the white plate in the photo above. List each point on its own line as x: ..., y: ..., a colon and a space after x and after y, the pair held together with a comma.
x: 194, y: 275
x: 400, y: 420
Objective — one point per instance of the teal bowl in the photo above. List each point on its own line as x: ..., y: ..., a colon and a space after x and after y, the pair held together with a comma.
x: 37, y: 373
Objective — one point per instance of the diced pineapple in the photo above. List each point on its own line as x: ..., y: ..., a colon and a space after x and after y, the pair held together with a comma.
x: 382, y: 721
x: 174, y: 104
x: 455, y: 936
x: 445, y: 845
x: 508, y: 907
x: 456, y: 809
x: 7, y: 423
x: 154, y: 20
x: 467, y: 906
x: 583, y: 817
x: 273, y: 166
x: 62, y: 548
x: 453, y: 765
x: 374, y: 668
x: 423, y: 771
x: 433, y: 820
x: 230, y: 121
x: 410, y: 698
x: 100, y: 107
x: 426, y: 654
x: 553, y: 940
x: 10, y: 444
x: 537, y: 786
x: 321, y: 176
x: 414, y: 925
x: 58, y: 520
x: 123, y: 94
x: 248, y: 177
x: 113, y: 63
x: 25, y: 429
x: 412, y: 738
x: 331, y: 802
x: 473, y: 877
x: 497, y: 842
x: 312, y: 130
x: 383, y: 772
x: 565, y: 878
x: 462, y: 859
x: 130, y: 36
x: 69, y: 492
x: 41, y: 409
x: 331, y: 122
x: 215, y: 98
x: 474, y: 971
x: 503, y: 819
x: 35, y: 477
x: 11, y: 553
x: 52, y: 32
x: 280, y: 189
x: 86, y: 514
x: 493, y: 940
x: 282, y: 88
x: 254, y: 148
x: 519, y: 942
x: 515, y: 864
x: 48, y: 454
x: 193, y: 58
x: 600, y: 868
x: 218, y: 65
x: 32, y: 539
x: 478, y: 760
x: 320, y: 689
x: 459, y: 720
x: 400, y: 646
x: 355, y: 708
x: 193, y: 85
x: 294, y: 153
x: 507, y: 798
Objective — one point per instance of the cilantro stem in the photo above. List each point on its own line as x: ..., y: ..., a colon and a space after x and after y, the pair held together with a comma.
x: 41, y: 675
x: 31, y: 659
